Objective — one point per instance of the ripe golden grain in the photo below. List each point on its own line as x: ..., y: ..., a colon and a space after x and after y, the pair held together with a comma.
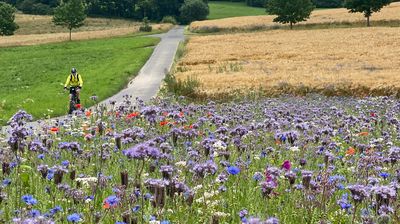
x: 349, y: 59
x: 34, y: 39
x: 391, y: 12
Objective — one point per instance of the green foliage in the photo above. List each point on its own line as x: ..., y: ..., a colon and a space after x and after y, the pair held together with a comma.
x: 34, y: 7
x: 169, y: 19
x: 290, y: 11
x: 32, y: 77
x: 367, y: 7
x: 186, y: 87
x: 193, y: 10
x: 145, y: 27
x: 224, y: 9
x: 328, y: 3
x: 71, y: 15
x: 257, y: 3
x: 7, y: 17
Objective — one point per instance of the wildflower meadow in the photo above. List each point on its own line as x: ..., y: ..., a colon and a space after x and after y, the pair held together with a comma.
x: 278, y: 160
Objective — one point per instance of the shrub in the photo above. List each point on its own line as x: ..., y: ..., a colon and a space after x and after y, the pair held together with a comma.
x: 169, y: 19
x: 145, y: 27
x: 193, y: 10
x: 7, y: 17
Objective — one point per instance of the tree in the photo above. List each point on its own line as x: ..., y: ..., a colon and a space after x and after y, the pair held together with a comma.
x: 366, y: 6
x: 7, y: 17
x: 193, y: 10
x: 290, y: 11
x: 70, y: 14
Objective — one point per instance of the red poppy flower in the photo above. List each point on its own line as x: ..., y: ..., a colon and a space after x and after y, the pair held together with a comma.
x: 54, y: 129
x: 163, y: 123
x: 88, y: 113
x: 134, y: 114
x: 351, y: 151
x: 78, y: 106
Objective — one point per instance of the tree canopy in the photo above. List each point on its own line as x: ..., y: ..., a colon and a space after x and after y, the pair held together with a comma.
x: 290, y: 11
x: 70, y: 14
x: 7, y: 17
x: 366, y: 6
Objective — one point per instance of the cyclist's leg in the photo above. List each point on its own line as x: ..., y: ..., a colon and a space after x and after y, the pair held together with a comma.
x: 78, y: 96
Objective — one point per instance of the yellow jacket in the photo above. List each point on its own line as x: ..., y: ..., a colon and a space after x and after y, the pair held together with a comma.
x: 74, y: 80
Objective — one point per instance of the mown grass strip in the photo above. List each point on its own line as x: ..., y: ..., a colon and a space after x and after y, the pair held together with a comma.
x: 32, y: 77
x: 223, y: 9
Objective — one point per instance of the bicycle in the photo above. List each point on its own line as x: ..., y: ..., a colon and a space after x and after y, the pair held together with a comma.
x: 73, y: 103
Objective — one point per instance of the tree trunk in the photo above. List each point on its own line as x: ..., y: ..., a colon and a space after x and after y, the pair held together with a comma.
x: 291, y: 25
x: 368, y: 24
x: 70, y: 34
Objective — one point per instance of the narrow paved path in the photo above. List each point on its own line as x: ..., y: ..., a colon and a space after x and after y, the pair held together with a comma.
x: 147, y: 83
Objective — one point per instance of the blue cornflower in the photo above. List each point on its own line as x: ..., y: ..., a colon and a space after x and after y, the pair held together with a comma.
x: 384, y: 175
x: 34, y: 213
x: 40, y: 156
x: 74, y: 218
x: 112, y: 200
x: 56, y: 209
x: 343, y: 202
x: 165, y: 222
x: 152, y: 218
x: 29, y: 199
x: 118, y: 222
x: 6, y: 182
x: 50, y: 174
x: 136, y: 208
x: 65, y: 163
x: 233, y: 170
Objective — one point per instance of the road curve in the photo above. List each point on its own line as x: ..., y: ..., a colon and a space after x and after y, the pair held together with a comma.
x: 147, y: 83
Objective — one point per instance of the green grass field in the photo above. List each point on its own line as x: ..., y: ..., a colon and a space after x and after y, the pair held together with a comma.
x: 219, y: 10
x: 32, y: 78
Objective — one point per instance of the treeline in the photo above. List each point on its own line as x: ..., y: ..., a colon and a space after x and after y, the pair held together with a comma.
x: 317, y: 3
x: 135, y: 9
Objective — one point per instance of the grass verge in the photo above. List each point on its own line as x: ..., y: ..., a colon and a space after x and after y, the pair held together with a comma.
x: 32, y: 77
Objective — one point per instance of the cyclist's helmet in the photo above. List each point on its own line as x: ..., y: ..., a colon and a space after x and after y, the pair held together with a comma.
x: 73, y: 70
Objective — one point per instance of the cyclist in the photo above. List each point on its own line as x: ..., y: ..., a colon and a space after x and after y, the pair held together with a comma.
x: 75, y: 82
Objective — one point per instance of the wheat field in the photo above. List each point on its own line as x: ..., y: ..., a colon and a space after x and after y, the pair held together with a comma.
x: 388, y: 13
x: 351, y: 61
x: 33, y: 39
x: 37, y: 29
